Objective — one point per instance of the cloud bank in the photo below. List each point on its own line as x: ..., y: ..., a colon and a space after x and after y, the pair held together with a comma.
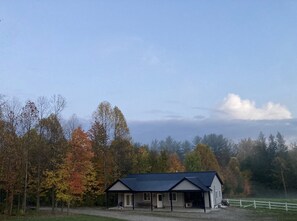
x: 236, y: 108
x: 146, y: 131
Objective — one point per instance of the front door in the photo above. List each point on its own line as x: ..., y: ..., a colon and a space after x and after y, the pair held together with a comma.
x: 159, y: 200
x: 128, y: 200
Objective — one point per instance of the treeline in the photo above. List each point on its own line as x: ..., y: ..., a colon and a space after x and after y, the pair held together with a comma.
x: 47, y: 161
x: 251, y: 167
x: 44, y: 160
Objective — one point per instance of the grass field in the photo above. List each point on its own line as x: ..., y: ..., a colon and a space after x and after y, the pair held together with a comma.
x: 231, y: 213
x: 276, y: 214
x: 279, y: 215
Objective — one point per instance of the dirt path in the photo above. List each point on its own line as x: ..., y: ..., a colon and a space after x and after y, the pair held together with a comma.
x: 229, y: 214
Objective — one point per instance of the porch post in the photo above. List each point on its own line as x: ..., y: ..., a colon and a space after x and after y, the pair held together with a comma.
x: 133, y: 200
x: 170, y: 196
x: 106, y: 199
x: 209, y: 199
x: 151, y: 201
x: 203, y: 202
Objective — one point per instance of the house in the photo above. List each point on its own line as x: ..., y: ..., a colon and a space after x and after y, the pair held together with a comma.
x: 169, y: 190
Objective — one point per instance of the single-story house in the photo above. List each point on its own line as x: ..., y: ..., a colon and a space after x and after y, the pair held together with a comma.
x: 169, y: 190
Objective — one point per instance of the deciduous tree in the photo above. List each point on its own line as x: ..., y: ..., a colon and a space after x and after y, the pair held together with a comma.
x: 141, y: 161
x: 76, y: 168
x: 221, y: 147
x: 56, y: 147
x: 121, y: 130
x: 175, y: 164
x: 10, y: 164
x: 193, y: 162
x: 29, y: 118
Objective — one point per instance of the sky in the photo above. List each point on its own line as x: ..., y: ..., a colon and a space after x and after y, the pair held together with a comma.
x: 200, y: 65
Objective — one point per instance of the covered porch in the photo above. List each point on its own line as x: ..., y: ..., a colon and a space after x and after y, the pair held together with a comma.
x: 163, y: 201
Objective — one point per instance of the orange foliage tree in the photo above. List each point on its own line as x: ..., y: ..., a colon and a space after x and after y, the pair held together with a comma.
x: 75, y: 173
x: 175, y: 165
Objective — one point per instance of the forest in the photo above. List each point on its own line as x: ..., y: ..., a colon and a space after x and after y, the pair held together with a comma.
x: 46, y: 160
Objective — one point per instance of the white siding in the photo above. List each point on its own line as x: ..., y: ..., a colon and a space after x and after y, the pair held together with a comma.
x: 118, y: 186
x: 216, y: 193
x: 185, y: 185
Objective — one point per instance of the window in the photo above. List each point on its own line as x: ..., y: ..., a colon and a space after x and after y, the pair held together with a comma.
x: 160, y: 197
x: 146, y: 196
x: 174, y: 196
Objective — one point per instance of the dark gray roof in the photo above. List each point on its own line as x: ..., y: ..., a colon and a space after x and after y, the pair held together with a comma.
x: 162, y: 182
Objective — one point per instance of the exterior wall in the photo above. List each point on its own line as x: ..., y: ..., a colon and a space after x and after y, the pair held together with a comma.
x: 178, y: 203
x: 216, y: 193
x: 138, y: 198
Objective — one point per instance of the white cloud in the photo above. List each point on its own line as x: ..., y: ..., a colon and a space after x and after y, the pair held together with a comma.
x: 236, y: 108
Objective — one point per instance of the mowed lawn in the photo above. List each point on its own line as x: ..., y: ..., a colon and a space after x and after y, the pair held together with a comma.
x: 58, y: 218
x: 278, y: 215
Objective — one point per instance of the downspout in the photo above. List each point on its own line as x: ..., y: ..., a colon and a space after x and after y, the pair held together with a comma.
x: 215, y: 196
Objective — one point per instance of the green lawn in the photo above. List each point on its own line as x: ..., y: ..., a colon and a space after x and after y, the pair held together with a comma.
x: 276, y: 214
x: 58, y: 218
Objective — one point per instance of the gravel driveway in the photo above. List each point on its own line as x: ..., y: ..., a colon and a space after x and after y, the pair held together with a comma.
x: 230, y: 214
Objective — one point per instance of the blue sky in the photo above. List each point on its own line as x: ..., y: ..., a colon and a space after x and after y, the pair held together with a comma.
x: 155, y: 60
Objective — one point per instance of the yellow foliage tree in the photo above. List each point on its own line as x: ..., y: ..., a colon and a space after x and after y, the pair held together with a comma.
x: 207, y: 158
